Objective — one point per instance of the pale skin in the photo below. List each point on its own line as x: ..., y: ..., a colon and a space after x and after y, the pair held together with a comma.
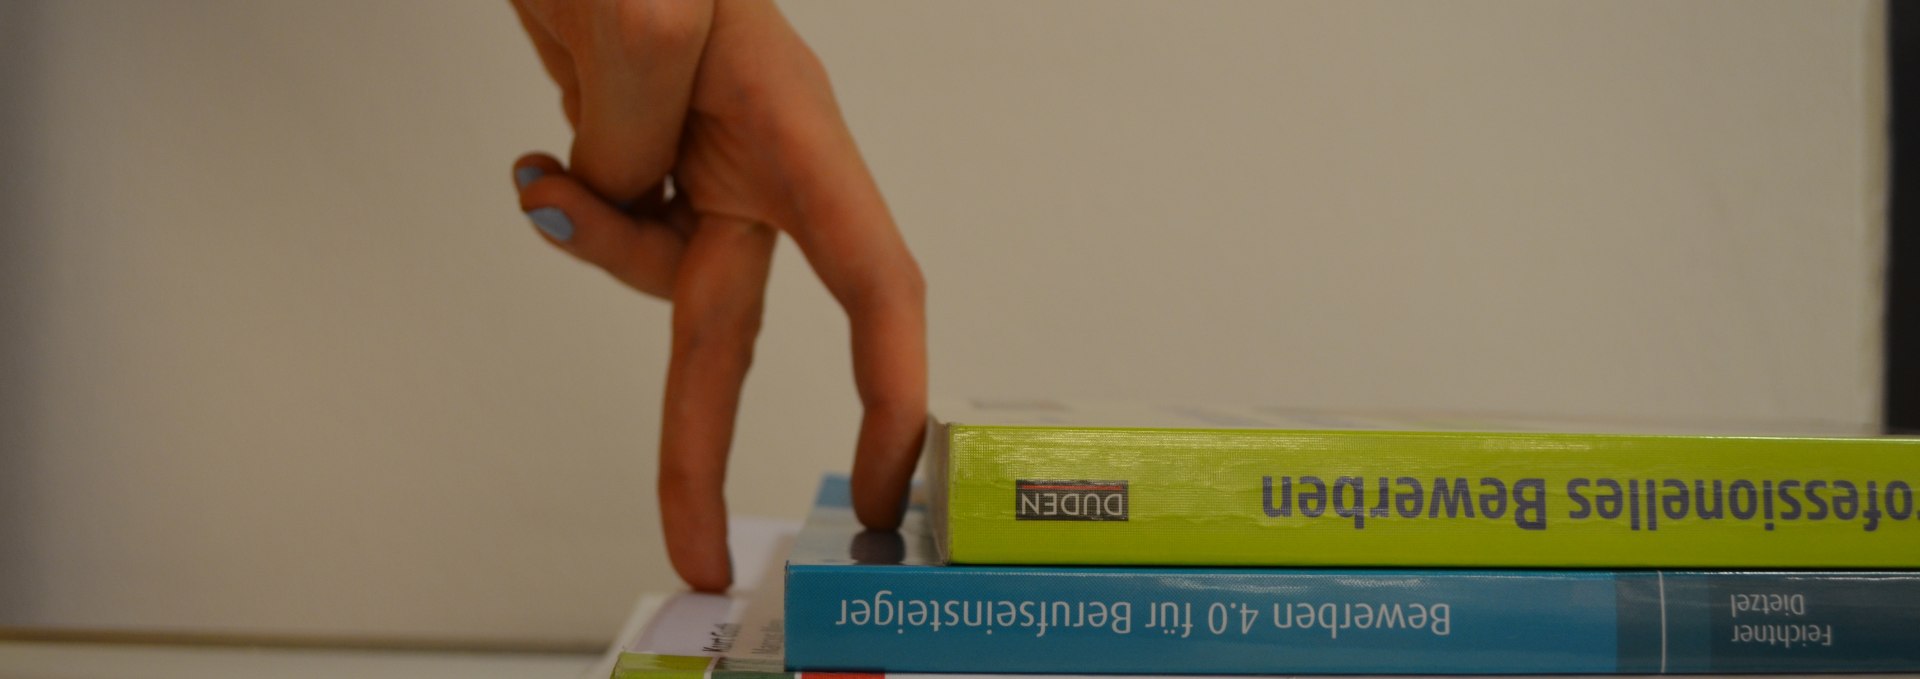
x: 724, y: 98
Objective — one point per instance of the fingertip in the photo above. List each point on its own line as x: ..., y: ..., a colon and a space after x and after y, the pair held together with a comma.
x: 694, y: 519
x: 553, y: 222
x: 526, y: 174
x: 640, y: 251
x: 879, y: 515
x: 544, y: 160
x: 704, y: 565
x: 706, y: 581
x: 532, y: 167
x: 891, y: 436
x: 880, y: 503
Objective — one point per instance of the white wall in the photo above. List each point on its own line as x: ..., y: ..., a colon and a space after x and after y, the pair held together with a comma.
x: 281, y: 358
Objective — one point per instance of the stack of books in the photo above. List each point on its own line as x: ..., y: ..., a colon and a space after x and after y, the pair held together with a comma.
x: 1059, y: 540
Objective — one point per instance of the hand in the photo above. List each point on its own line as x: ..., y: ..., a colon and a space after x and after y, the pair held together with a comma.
x: 724, y: 102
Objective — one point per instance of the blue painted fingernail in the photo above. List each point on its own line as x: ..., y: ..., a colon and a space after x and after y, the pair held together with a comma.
x: 525, y: 175
x: 553, y: 222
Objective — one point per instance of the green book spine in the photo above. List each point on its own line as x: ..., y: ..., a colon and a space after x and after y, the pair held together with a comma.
x: 1069, y: 494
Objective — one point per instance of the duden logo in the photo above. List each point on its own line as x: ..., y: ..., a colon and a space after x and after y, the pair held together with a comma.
x: 1070, y: 500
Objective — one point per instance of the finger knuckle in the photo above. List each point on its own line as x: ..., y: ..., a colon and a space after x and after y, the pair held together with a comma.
x: 666, y: 24
x: 716, y: 337
x: 913, y: 283
x: 902, y: 286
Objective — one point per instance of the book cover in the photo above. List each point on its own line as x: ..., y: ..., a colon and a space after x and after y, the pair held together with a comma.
x: 690, y: 635
x: 741, y: 635
x: 865, y: 601
x: 707, y: 636
x: 1045, y: 483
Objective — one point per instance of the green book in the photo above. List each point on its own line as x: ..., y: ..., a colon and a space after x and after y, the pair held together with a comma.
x: 1052, y: 483
x: 689, y: 635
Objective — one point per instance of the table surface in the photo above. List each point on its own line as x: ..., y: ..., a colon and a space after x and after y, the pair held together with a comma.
x: 69, y: 660
x: 62, y: 660
x: 76, y: 660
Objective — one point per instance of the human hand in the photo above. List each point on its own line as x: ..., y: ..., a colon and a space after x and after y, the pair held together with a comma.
x: 724, y: 102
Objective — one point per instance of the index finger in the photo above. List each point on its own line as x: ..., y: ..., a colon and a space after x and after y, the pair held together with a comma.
x: 719, y: 290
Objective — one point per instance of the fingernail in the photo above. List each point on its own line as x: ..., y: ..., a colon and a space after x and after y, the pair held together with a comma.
x: 553, y: 222
x: 526, y: 174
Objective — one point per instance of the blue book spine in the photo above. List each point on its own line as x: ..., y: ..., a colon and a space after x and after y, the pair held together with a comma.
x: 1194, y: 621
x: 864, y: 601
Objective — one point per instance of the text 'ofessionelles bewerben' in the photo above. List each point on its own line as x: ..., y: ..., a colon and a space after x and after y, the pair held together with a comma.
x: 1641, y: 503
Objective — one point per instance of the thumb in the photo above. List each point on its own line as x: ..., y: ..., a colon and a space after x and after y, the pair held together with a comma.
x: 642, y: 251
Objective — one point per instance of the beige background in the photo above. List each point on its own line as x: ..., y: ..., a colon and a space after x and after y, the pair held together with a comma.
x: 280, y: 357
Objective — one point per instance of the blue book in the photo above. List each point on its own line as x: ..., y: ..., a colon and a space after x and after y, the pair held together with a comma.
x: 867, y: 601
